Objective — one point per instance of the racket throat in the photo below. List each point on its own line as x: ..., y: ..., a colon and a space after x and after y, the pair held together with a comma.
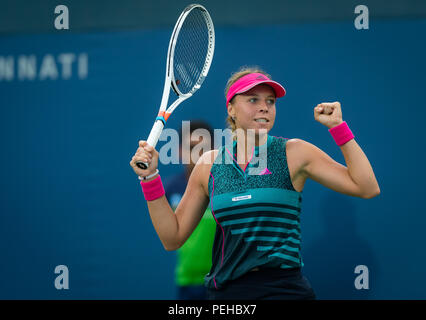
x: 163, y: 116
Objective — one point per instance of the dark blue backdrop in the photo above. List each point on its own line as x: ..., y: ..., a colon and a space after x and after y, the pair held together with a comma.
x: 68, y: 195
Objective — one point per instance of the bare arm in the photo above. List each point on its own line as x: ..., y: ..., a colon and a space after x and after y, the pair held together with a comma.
x: 356, y: 178
x: 360, y: 169
x: 173, y: 228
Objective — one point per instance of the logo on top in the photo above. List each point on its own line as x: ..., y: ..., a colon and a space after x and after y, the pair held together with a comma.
x: 260, y: 78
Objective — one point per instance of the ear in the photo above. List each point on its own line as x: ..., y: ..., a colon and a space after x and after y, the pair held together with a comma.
x: 231, y: 110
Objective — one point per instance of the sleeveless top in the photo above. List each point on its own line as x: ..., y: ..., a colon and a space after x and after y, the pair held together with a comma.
x: 257, y: 213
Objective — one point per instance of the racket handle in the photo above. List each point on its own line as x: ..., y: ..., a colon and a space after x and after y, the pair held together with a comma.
x: 152, y: 140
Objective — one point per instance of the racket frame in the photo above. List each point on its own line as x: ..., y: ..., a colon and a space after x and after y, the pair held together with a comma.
x: 170, y: 81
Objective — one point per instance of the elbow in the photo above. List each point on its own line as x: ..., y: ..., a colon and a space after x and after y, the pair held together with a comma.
x: 371, y: 194
x: 171, y: 246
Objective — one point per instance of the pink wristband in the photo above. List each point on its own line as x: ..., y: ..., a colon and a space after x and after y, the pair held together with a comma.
x: 153, y: 189
x: 341, y: 133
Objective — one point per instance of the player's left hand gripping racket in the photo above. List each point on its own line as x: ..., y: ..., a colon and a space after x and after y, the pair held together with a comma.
x: 189, y: 58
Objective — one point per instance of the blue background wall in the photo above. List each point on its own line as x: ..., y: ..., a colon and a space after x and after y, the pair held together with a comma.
x: 69, y: 196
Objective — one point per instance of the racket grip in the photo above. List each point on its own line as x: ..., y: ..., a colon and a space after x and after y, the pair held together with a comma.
x: 152, y: 140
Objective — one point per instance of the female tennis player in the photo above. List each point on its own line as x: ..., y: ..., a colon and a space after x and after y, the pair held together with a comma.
x: 256, y: 251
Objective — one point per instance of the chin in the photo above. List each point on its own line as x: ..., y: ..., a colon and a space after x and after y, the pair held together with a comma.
x: 263, y: 126
x: 260, y: 131
x: 257, y: 129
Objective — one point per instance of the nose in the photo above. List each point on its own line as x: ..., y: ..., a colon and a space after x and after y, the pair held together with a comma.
x: 263, y: 106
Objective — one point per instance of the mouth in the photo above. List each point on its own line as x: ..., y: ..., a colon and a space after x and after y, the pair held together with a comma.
x: 261, y: 120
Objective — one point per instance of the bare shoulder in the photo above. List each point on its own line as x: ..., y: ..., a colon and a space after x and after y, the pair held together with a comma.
x: 299, y: 152
x: 299, y: 146
x: 208, y: 158
x: 202, y: 168
x: 294, y: 143
x: 304, y: 154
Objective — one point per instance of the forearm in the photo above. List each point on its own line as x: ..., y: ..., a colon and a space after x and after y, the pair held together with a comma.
x: 359, y: 169
x: 165, y: 222
x: 357, y: 178
x: 162, y: 216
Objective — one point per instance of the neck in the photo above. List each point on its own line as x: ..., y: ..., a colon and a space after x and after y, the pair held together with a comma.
x: 246, y: 141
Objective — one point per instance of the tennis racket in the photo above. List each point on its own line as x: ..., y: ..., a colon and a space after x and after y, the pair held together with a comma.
x: 189, y: 57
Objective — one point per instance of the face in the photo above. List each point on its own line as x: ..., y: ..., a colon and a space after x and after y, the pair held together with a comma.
x: 254, y: 109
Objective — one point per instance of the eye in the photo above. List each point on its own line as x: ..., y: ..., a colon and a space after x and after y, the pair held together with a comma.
x: 271, y: 101
x: 252, y: 100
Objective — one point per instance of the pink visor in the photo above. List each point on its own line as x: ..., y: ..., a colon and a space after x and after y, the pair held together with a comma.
x: 251, y: 80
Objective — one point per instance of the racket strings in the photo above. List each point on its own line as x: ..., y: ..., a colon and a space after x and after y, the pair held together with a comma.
x: 188, y: 60
x: 191, y: 51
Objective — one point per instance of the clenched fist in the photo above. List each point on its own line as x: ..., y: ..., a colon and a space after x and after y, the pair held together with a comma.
x: 145, y: 153
x: 328, y: 114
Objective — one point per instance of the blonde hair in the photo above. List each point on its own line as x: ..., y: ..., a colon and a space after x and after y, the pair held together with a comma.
x: 245, y: 70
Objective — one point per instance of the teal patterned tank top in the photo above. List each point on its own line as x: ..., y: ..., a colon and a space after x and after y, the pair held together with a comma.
x: 257, y: 213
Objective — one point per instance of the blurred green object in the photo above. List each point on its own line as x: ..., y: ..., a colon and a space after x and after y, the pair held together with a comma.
x: 195, y: 256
